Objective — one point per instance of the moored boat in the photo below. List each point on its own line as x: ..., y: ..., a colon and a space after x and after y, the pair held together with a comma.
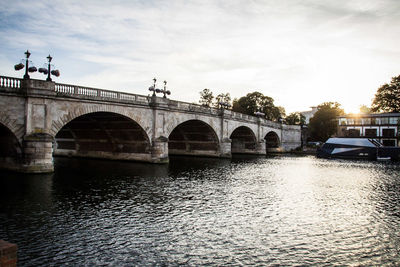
x: 357, y: 148
x: 353, y: 148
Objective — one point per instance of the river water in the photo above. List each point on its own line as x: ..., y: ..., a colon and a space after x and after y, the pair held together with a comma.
x: 197, y: 212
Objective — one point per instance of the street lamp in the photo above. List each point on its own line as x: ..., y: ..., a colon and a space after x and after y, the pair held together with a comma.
x: 20, y: 66
x: 224, y: 105
x: 259, y: 114
x: 153, y: 88
x: 156, y: 90
x: 165, y: 91
x: 48, y: 71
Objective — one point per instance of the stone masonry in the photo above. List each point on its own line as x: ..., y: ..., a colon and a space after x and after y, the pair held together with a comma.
x: 33, y: 112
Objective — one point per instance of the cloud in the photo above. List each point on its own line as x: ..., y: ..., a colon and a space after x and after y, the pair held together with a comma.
x: 299, y: 52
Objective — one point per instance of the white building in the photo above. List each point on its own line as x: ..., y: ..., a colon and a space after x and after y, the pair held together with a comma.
x: 383, y: 127
x: 309, y: 114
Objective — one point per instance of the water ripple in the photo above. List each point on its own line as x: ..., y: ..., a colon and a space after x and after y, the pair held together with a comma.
x: 249, y: 211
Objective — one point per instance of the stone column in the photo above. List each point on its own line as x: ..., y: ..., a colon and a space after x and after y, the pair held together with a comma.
x: 225, y: 148
x: 261, y: 148
x: 159, y: 150
x: 38, y: 153
x: 8, y: 254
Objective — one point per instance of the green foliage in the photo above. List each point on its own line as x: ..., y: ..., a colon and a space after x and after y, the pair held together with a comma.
x: 206, y: 97
x: 256, y: 101
x: 226, y: 98
x: 387, y: 98
x: 295, y: 118
x: 281, y: 114
x: 364, y: 109
x: 324, y: 124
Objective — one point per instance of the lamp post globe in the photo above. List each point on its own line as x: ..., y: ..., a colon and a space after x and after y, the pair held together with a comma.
x: 28, y: 69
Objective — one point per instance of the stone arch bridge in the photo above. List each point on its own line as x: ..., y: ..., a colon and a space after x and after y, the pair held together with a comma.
x: 39, y: 119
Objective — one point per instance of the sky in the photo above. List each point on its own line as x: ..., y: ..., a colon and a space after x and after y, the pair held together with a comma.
x: 299, y: 52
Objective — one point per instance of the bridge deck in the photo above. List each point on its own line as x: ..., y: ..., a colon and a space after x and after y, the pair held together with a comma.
x: 90, y: 93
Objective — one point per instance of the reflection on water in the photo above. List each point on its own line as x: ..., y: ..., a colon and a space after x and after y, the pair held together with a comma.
x: 199, y: 211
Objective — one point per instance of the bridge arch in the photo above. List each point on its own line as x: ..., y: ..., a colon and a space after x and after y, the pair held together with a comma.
x: 83, y: 109
x: 12, y: 126
x: 272, y: 140
x: 193, y: 137
x: 103, y: 135
x: 243, y: 140
x: 10, y: 147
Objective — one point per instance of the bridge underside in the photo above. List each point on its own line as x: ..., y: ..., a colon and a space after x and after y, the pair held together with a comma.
x: 243, y: 141
x: 193, y: 138
x: 103, y: 135
x: 10, y: 149
x: 272, y: 142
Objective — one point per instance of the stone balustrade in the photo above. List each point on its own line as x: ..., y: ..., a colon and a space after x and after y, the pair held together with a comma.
x: 75, y: 90
x: 9, y: 82
x: 104, y: 95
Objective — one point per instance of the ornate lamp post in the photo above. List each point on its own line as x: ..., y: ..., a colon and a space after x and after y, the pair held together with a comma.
x: 165, y: 91
x: 20, y: 66
x: 156, y: 90
x: 223, y: 105
x: 48, y: 71
x: 153, y: 88
x: 259, y: 114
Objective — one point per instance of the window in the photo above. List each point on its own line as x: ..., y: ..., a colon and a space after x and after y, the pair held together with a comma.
x: 350, y: 121
x: 387, y: 132
x: 384, y: 120
x: 393, y: 120
x: 342, y: 121
x: 389, y: 142
x: 370, y: 132
x: 353, y: 132
x: 366, y: 121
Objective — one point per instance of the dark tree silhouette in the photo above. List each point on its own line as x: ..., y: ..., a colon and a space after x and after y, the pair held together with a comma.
x: 387, y: 98
x: 324, y: 122
x: 256, y: 101
x: 206, y: 97
x: 295, y: 118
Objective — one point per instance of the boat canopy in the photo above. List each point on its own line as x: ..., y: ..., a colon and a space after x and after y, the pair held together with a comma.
x: 364, y: 142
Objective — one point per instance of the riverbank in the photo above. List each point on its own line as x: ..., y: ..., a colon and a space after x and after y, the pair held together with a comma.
x: 308, y: 151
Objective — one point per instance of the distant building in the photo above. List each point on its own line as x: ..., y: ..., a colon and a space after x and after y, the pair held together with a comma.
x: 309, y: 114
x: 384, y: 127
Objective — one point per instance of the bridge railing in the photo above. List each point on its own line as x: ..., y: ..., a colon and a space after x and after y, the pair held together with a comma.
x: 76, y: 90
x: 10, y: 82
x: 193, y: 107
x: 228, y: 113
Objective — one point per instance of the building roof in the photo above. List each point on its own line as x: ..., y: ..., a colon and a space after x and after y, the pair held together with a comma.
x: 371, y: 115
x: 351, y: 141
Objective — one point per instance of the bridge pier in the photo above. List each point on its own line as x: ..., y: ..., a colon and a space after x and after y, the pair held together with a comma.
x: 225, y: 148
x: 38, y: 153
x: 159, y: 150
x: 260, y: 148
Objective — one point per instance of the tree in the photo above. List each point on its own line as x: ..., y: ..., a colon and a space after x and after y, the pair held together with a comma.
x: 364, y: 109
x: 280, y: 113
x: 295, y: 118
x: 387, y: 97
x: 256, y: 101
x: 324, y: 124
x: 225, y: 98
x: 206, y: 97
